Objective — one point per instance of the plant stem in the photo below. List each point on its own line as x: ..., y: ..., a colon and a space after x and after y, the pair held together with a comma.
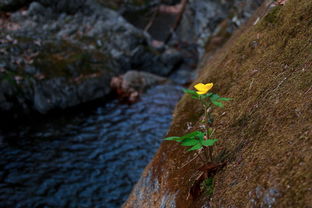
x: 207, y: 133
x: 210, y: 149
x: 198, y: 154
x: 208, y: 153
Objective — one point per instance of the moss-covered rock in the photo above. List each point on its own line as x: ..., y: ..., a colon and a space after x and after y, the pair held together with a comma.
x: 264, y: 133
x: 52, y: 75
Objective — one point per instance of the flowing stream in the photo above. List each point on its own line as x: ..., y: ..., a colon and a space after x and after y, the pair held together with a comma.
x: 87, y: 160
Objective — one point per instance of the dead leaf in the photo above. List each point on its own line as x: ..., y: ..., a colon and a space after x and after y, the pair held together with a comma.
x: 207, y: 170
x: 211, y: 168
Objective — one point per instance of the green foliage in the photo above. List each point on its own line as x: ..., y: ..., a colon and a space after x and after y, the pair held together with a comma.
x: 174, y: 138
x: 195, y: 147
x: 207, y: 186
x: 209, y: 142
x: 214, y: 98
x: 194, y: 139
x: 195, y: 95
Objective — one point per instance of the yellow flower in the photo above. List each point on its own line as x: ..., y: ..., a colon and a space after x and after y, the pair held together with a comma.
x: 203, y: 88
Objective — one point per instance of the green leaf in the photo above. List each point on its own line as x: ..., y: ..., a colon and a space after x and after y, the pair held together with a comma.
x: 201, y: 137
x: 225, y: 99
x: 206, y: 95
x: 214, y: 97
x: 209, y: 142
x: 217, y: 103
x: 173, y: 138
x: 196, y: 147
x: 195, y: 97
x: 191, y: 92
x: 193, y: 134
x: 189, y: 142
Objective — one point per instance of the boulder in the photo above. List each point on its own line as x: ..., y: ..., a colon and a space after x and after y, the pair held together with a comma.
x: 130, y: 85
x: 204, y: 16
x: 52, y: 75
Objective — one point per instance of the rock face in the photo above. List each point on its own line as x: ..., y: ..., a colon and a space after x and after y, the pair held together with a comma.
x: 205, y: 17
x: 264, y: 133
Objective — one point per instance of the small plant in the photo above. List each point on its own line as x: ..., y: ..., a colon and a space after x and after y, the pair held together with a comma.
x: 205, y: 140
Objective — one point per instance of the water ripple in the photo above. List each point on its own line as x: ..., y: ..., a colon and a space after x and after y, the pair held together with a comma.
x: 90, y: 160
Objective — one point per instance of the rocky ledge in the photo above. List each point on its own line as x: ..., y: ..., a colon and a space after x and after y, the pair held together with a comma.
x: 264, y: 133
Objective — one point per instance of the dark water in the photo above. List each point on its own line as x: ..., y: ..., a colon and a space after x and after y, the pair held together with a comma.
x: 88, y: 160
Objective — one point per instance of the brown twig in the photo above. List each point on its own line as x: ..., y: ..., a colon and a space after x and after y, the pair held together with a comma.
x: 197, y: 155
x: 150, y: 23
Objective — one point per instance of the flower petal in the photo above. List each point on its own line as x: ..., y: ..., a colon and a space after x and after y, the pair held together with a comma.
x: 199, y: 86
x: 208, y: 86
x: 201, y: 92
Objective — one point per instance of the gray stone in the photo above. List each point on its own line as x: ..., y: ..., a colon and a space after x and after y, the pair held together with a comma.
x: 201, y: 18
x: 36, y: 8
x: 140, y: 81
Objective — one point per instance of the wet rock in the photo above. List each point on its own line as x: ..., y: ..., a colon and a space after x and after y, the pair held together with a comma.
x: 202, y: 16
x: 162, y: 64
x: 35, y: 8
x: 57, y: 93
x: 140, y: 81
x: 130, y: 85
x: 205, y: 16
x: 148, y: 186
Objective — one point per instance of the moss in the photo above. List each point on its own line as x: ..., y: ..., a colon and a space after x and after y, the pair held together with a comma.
x: 207, y: 186
x: 214, y: 42
x: 67, y: 60
x: 272, y: 16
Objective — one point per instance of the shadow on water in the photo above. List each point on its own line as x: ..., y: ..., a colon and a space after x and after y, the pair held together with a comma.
x: 87, y: 160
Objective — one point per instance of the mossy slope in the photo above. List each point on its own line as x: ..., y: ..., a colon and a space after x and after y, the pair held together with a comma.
x: 265, y: 132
